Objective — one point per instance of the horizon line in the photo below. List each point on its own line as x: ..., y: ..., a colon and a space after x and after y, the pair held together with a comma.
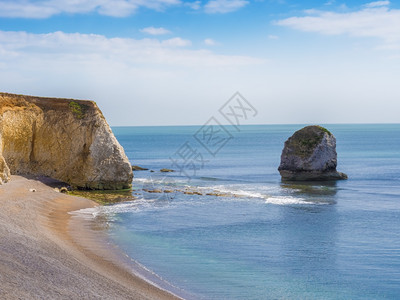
x: 266, y: 124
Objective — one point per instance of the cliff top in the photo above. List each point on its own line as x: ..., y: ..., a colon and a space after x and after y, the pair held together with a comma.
x: 78, y: 107
x: 304, y: 140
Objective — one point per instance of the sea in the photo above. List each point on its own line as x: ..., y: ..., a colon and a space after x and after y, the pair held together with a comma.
x: 224, y: 226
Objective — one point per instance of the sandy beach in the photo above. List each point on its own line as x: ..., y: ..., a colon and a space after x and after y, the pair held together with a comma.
x: 47, y: 253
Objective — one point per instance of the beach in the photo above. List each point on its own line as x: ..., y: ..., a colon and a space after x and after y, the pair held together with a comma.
x: 47, y: 253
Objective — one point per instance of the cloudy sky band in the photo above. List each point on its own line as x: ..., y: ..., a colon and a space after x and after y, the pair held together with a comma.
x: 169, y: 52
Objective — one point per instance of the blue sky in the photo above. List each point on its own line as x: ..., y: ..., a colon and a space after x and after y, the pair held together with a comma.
x: 173, y: 62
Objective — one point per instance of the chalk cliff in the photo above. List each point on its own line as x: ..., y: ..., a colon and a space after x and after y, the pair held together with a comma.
x: 65, y: 139
x: 310, y: 154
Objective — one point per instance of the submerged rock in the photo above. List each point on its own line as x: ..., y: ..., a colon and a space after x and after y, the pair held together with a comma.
x: 137, y: 168
x: 192, y: 193
x: 153, y: 191
x: 310, y: 154
x: 64, y: 190
x: 68, y: 140
x: 166, y: 170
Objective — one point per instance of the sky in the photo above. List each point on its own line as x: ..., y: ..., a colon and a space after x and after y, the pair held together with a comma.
x: 175, y: 62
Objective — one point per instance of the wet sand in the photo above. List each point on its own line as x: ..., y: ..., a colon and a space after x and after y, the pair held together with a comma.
x: 47, y: 253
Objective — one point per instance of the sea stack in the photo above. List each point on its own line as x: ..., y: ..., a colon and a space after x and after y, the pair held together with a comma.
x: 65, y: 139
x: 310, y: 154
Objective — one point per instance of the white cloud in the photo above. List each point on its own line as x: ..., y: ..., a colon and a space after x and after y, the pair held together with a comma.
x: 59, y: 47
x: 26, y: 10
x: 176, y: 42
x: 373, y: 20
x: 47, y: 8
x: 118, y: 8
x: 330, y: 2
x: 224, y: 6
x: 377, y: 4
x: 210, y: 42
x: 196, y: 5
x: 134, y: 81
x: 155, y: 31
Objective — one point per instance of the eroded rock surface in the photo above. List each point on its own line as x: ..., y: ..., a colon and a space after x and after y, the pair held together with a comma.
x: 68, y: 140
x: 310, y: 154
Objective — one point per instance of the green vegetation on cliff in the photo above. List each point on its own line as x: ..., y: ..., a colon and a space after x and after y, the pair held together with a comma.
x: 77, y: 109
x: 304, y: 141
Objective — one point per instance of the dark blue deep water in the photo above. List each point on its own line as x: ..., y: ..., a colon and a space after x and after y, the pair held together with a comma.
x: 263, y: 239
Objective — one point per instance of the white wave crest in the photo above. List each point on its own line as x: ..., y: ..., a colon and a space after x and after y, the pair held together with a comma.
x: 288, y: 200
x: 86, y: 213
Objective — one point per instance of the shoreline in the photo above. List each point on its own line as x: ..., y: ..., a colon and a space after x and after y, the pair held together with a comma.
x: 47, y: 252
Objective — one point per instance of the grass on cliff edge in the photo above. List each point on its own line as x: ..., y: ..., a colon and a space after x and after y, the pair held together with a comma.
x: 324, y: 129
x: 77, y: 109
x: 304, y: 140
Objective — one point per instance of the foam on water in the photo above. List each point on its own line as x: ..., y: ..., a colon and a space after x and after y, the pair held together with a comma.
x: 87, y: 213
x: 287, y: 200
x: 238, y: 190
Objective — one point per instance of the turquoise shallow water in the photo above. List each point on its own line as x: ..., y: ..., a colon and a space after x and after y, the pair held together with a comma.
x: 265, y: 239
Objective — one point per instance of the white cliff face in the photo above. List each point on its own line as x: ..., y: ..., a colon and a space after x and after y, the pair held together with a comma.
x: 323, y: 158
x: 65, y: 139
x: 112, y: 165
x: 310, y: 154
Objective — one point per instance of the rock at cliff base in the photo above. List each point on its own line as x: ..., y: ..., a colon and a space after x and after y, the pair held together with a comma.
x: 138, y: 168
x: 4, y: 171
x: 310, y: 154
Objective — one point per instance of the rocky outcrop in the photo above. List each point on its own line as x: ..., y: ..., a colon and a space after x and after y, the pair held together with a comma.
x: 68, y: 140
x: 138, y: 168
x: 310, y: 154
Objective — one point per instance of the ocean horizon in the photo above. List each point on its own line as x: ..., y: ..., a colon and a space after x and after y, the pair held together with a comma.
x: 226, y: 226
